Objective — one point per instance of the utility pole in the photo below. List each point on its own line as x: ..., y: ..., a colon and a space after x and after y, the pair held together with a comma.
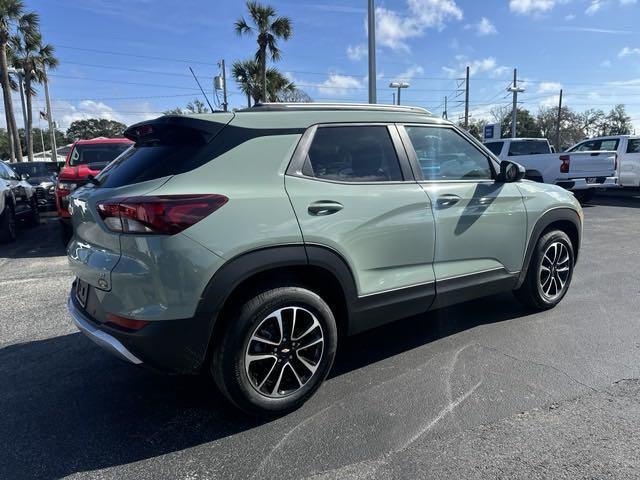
x: 559, y: 122
x: 445, y: 114
x: 393, y: 96
x: 372, y: 53
x: 514, y: 89
x: 466, y: 101
x: 225, y: 104
x: 52, y: 130
x: 399, y: 86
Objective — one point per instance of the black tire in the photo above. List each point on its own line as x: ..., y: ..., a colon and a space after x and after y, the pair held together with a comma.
x: 238, y: 382
x: 532, y: 292
x: 8, y: 226
x: 34, y: 216
x: 66, y: 232
x: 584, y: 196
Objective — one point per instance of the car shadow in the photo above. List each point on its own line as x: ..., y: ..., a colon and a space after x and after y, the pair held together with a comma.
x: 621, y: 198
x: 41, y: 241
x: 68, y: 407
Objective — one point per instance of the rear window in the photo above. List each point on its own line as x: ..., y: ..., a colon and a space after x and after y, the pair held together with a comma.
x: 175, y: 151
x: 84, y: 154
x: 528, y: 147
x: 633, y: 145
x: 36, y: 169
x: 495, y: 147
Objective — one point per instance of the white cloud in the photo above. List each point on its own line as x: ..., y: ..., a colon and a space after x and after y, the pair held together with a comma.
x: 549, y: 87
x: 628, y: 2
x: 487, y: 65
x: 570, y: 17
x: 527, y: 7
x: 596, y: 5
x: 410, y: 73
x: 339, y: 85
x: 628, y: 51
x: 393, y: 29
x: 357, y: 52
x: 483, y: 28
x: 67, y: 112
x: 606, y: 63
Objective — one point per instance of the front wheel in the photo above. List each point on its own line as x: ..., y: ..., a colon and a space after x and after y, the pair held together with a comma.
x: 276, y: 350
x: 549, y: 272
x: 7, y: 225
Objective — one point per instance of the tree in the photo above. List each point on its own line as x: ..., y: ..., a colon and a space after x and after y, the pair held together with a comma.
x: 279, y: 87
x: 12, y: 20
x: 34, y: 58
x: 571, y: 131
x: 194, y: 107
x: 268, y: 28
x: 476, y: 127
x: 592, y: 122
x: 526, y: 126
x: 95, y: 127
x: 617, y: 122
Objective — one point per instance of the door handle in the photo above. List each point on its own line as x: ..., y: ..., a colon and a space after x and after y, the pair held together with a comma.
x: 446, y: 201
x: 324, y: 207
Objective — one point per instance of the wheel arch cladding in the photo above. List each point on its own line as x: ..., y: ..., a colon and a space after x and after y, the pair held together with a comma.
x: 324, y: 273
x: 565, y: 219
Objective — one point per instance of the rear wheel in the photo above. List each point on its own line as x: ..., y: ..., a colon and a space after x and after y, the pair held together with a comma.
x: 276, y: 350
x: 7, y: 225
x: 549, y: 273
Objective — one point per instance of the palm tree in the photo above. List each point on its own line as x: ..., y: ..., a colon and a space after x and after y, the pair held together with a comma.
x: 12, y: 18
x: 248, y: 76
x: 268, y: 27
x: 34, y: 58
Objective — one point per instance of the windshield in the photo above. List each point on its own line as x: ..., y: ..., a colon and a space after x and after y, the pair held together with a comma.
x: 36, y: 169
x: 96, y: 153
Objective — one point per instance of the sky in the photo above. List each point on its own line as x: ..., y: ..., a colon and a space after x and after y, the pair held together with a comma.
x: 128, y: 60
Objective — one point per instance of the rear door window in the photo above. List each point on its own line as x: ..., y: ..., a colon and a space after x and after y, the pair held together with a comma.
x: 495, y: 147
x: 634, y: 145
x: 597, y: 145
x: 528, y: 147
x: 353, y: 154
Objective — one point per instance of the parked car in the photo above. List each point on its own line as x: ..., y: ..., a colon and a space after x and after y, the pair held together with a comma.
x: 628, y: 149
x: 43, y: 177
x: 17, y: 203
x: 85, y: 158
x: 244, y: 244
x: 580, y: 172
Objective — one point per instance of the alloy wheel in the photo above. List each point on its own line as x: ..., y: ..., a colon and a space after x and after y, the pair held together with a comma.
x: 284, y: 352
x: 554, y: 270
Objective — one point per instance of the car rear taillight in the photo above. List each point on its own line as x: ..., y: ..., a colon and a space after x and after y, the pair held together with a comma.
x: 164, y: 215
x: 566, y: 160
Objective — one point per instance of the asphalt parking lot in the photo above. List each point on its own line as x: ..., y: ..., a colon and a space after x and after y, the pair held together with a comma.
x: 481, y: 390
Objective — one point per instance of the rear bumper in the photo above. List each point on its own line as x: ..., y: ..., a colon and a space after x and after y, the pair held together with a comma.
x: 106, y: 341
x: 582, y: 184
x: 168, y: 346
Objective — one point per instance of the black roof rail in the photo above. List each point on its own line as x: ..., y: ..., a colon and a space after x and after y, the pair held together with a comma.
x: 313, y: 106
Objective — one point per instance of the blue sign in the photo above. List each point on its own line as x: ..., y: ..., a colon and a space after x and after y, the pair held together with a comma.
x: 488, y: 131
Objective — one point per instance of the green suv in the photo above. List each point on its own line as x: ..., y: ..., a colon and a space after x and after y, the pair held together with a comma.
x: 247, y: 243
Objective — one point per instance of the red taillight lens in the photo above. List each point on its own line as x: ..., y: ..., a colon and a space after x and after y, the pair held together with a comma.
x: 566, y: 161
x: 165, y: 215
x: 128, y: 323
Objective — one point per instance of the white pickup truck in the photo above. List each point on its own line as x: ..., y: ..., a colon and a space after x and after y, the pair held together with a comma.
x: 628, y: 149
x: 580, y: 171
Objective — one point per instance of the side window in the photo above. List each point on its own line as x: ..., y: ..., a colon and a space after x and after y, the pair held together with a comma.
x: 495, y: 147
x: 584, y: 146
x: 11, y: 174
x: 4, y: 172
x: 611, y: 144
x: 633, y: 146
x: 445, y: 155
x: 353, y: 154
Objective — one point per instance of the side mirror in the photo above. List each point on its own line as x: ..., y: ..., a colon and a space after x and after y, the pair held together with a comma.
x: 510, y: 172
x: 24, y: 176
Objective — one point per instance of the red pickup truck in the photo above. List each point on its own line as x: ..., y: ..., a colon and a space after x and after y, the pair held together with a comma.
x: 86, y: 157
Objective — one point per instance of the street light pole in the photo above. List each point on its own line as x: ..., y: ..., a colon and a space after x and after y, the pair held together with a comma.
x: 514, y: 89
x: 399, y: 86
x: 372, y: 52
